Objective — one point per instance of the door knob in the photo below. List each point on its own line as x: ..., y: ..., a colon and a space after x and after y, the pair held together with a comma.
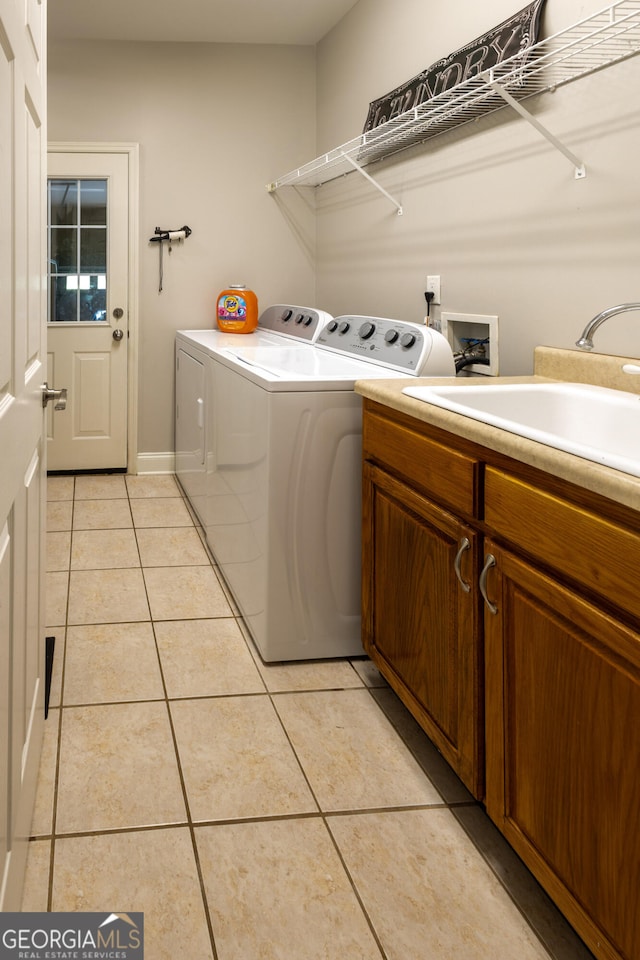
x: 60, y: 397
x: 118, y: 335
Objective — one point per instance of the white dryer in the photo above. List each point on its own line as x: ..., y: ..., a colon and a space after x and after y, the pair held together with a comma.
x: 282, y: 472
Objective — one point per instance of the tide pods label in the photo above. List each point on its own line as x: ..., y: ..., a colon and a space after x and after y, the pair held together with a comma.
x: 231, y: 307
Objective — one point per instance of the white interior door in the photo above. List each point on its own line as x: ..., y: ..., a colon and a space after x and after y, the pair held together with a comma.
x: 88, y: 342
x: 22, y: 421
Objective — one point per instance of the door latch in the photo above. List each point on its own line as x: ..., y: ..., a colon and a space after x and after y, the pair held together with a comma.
x: 60, y: 396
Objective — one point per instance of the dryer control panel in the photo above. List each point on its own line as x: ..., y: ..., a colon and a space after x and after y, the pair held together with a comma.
x: 404, y: 347
x: 299, y: 323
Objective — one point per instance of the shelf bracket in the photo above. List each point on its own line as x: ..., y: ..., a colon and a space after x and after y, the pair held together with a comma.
x: 579, y: 167
x: 356, y: 166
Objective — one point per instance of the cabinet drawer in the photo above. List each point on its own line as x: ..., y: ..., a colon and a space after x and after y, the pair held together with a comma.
x: 602, y: 556
x: 446, y: 475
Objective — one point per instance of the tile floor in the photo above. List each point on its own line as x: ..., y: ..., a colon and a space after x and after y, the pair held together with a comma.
x: 293, y: 812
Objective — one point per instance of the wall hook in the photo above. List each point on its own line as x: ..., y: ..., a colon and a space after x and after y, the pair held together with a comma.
x: 160, y: 235
x: 181, y: 234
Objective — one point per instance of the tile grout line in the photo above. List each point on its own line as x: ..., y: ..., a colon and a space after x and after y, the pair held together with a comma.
x: 326, y: 816
x: 320, y: 814
x: 323, y: 817
x: 183, y: 786
x: 133, y: 829
x: 54, y: 811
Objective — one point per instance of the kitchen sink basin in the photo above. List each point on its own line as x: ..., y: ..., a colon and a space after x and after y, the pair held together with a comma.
x: 596, y: 423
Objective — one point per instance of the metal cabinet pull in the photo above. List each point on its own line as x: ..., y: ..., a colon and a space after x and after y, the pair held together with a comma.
x: 464, y: 546
x: 490, y: 561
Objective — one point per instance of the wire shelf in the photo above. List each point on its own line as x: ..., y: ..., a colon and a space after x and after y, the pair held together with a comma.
x: 607, y: 37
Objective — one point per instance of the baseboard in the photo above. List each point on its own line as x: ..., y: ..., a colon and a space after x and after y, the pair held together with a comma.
x: 156, y: 463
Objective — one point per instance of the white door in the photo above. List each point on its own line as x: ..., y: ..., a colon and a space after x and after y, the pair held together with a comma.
x: 22, y: 436
x: 88, y: 326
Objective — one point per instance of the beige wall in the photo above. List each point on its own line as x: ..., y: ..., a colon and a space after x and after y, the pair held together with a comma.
x: 492, y: 208
x: 215, y: 123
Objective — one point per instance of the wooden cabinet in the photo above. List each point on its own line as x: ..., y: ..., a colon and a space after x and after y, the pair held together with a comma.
x: 536, y: 684
x: 420, y: 613
x: 563, y: 705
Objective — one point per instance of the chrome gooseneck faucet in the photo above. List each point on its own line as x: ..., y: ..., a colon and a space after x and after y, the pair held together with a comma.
x: 586, y: 340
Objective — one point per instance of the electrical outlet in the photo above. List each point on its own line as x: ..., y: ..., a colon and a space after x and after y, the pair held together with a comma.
x: 433, y: 286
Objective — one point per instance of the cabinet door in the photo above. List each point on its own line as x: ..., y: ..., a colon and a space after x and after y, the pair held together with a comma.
x: 563, y: 754
x: 419, y: 623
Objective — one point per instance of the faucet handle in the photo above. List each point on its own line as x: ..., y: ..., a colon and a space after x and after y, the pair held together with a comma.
x: 632, y: 368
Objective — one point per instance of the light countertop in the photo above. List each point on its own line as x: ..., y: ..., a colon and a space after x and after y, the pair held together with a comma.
x: 550, y: 364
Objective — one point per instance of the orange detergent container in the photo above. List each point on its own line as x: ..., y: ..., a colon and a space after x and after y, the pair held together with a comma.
x: 237, y: 309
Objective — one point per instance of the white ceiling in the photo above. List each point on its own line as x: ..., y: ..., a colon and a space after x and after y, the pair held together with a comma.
x: 208, y: 21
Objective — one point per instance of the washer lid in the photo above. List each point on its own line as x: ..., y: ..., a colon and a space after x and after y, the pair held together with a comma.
x: 213, y: 340
x: 292, y: 368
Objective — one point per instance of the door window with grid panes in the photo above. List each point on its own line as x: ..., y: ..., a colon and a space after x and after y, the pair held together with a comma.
x: 77, y: 250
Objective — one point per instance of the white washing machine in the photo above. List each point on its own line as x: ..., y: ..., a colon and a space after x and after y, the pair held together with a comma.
x: 281, y: 494
x: 278, y: 324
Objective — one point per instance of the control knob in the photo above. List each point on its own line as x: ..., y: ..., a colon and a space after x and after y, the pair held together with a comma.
x: 366, y: 330
x: 345, y: 326
x: 286, y: 315
x: 391, y: 336
x: 332, y: 326
x: 407, y: 340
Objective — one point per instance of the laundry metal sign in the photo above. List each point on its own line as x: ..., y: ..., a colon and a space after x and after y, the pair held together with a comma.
x: 509, y: 38
x: 71, y: 936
